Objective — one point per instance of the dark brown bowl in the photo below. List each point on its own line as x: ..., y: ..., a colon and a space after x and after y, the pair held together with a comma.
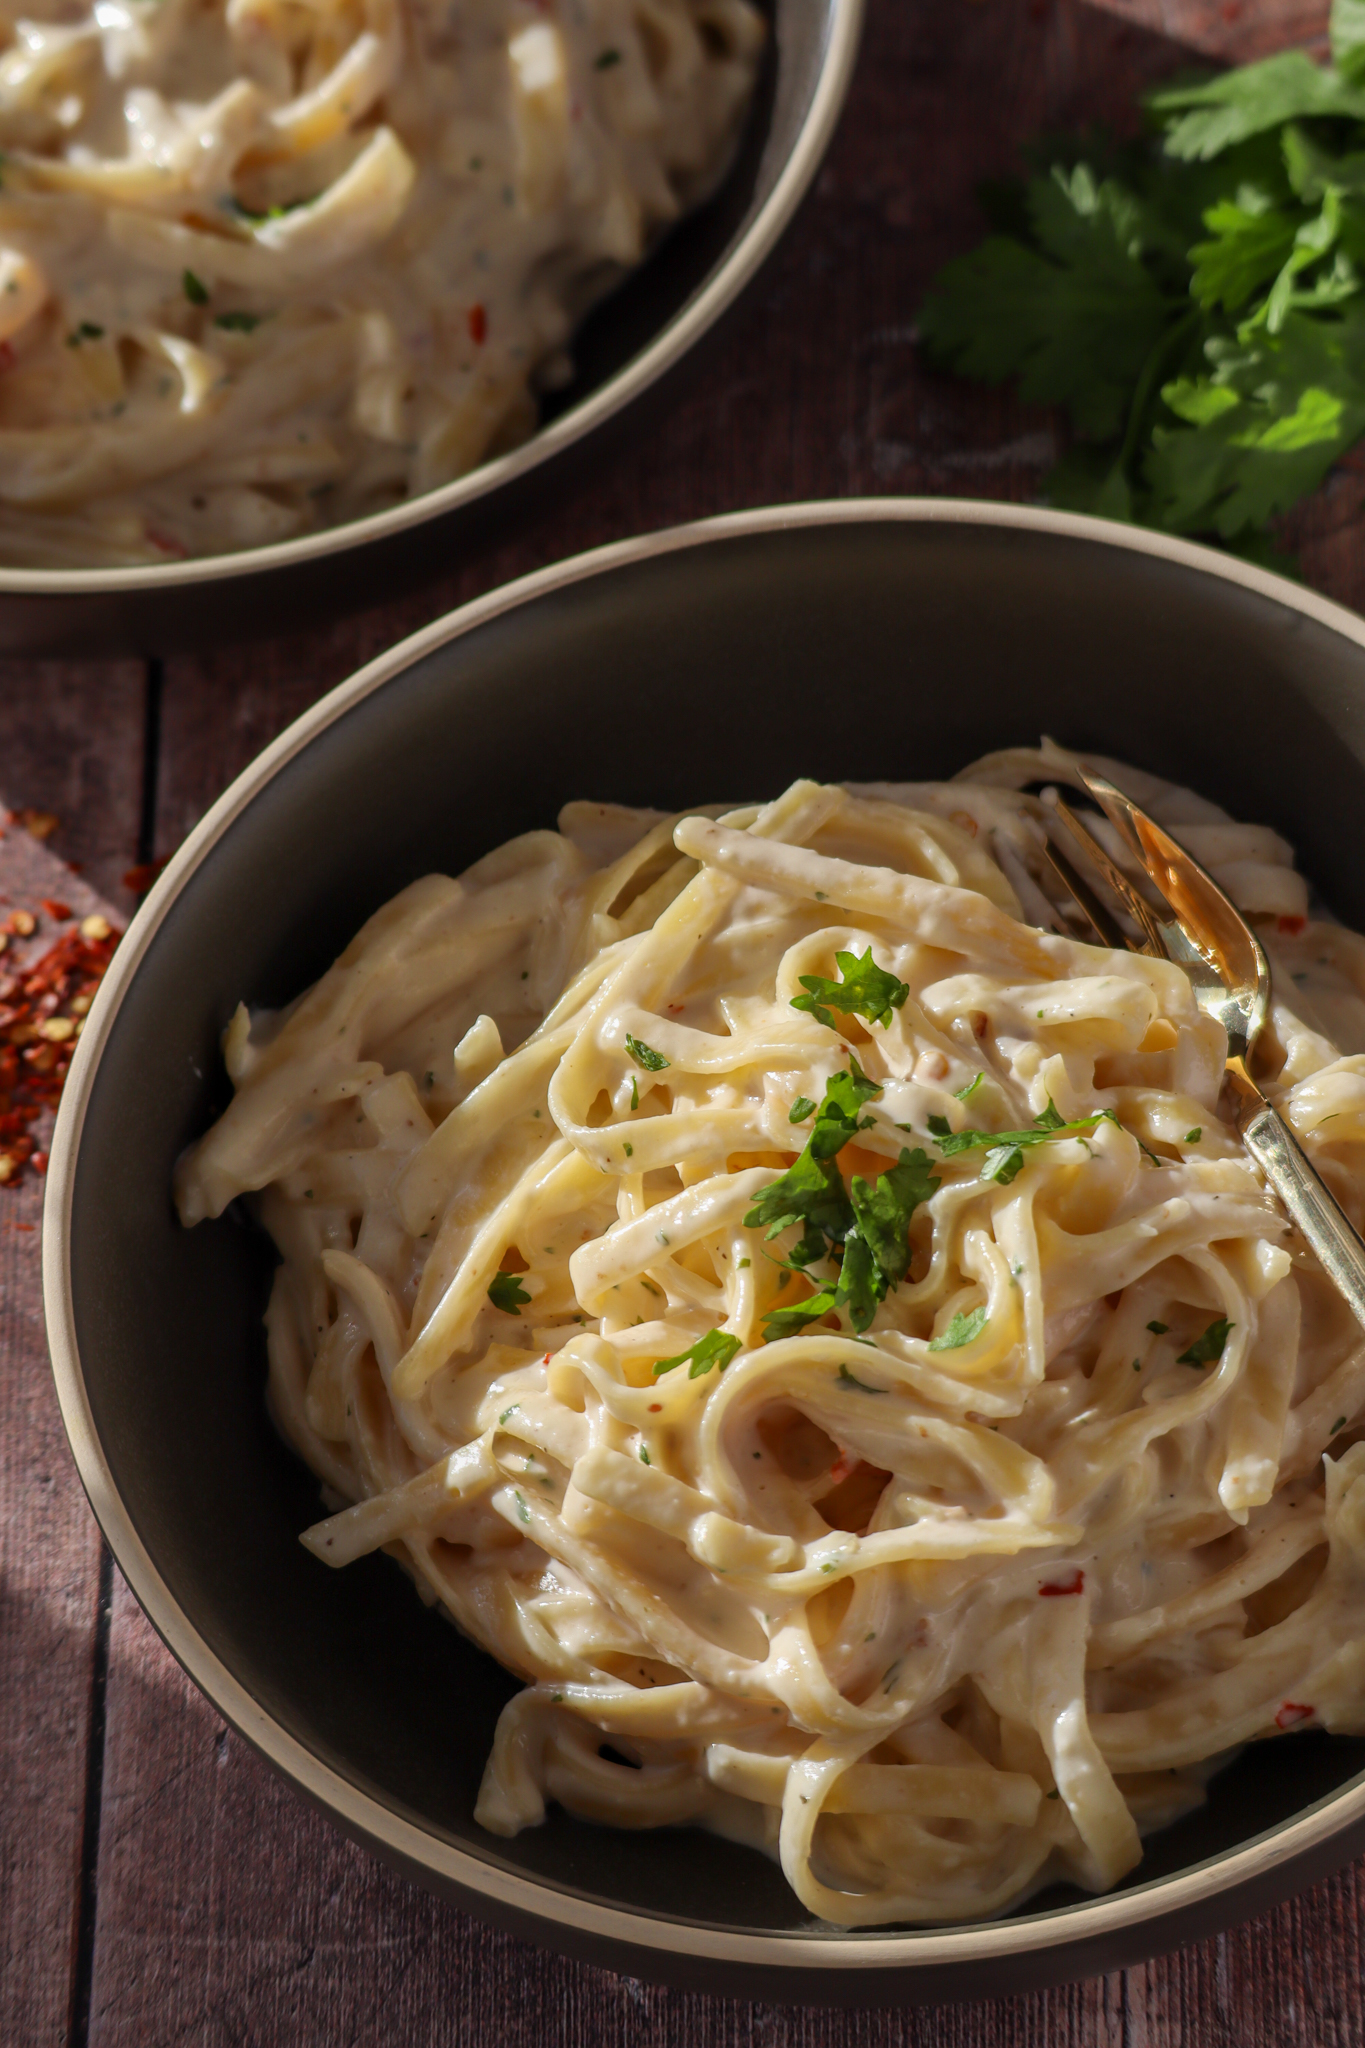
x: 627, y: 355
x: 890, y: 638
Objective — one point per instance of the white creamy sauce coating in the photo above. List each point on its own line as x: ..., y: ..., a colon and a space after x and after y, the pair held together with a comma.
x: 267, y: 265
x: 941, y: 1547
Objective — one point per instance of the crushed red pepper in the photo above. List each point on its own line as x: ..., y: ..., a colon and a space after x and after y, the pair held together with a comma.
x: 43, y: 1007
x: 139, y: 879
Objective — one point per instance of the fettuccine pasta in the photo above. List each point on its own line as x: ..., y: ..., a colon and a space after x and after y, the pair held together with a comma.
x: 269, y: 265
x: 810, y: 1322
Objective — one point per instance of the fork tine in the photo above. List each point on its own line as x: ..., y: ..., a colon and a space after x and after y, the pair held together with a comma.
x: 1104, y: 925
x: 1138, y: 909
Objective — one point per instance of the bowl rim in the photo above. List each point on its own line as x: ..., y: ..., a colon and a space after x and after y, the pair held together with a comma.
x: 836, y: 65
x: 529, y: 1898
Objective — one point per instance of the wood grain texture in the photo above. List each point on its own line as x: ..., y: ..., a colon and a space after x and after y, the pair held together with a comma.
x: 49, y: 1545
x: 227, y: 1912
x: 1238, y: 31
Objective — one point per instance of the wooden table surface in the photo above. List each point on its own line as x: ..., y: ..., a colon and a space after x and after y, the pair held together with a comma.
x: 157, y: 1884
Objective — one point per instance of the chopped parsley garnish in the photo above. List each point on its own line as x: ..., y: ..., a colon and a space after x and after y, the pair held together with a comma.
x: 1340, y: 1423
x: 866, y: 1225
x: 644, y: 1455
x: 522, y: 1508
x: 85, y: 331
x: 195, y: 290
x: 1158, y: 1329
x: 607, y: 60
x: 1209, y: 1347
x: 240, y: 323
x: 1193, y: 1137
x: 800, y: 1110
x: 1005, y: 1149
x: 971, y: 1087
x: 865, y: 991
x: 850, y: 1380
x: 645, y: 1055
x: 717, y: 1348
x: 507, y: 1293
x: 961, y: 1330
x: 634, y: 1092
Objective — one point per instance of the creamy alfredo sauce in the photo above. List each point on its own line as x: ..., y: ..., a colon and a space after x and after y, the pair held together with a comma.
x: 269, y: 265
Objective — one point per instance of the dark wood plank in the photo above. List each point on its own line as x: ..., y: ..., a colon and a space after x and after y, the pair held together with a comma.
x: 70, y: 741
x: 241, y: 1916
x: 1235, y: 30
x: 229, y: 1913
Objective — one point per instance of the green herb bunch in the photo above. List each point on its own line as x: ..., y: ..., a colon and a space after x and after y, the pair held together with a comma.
x: 1194, y: 301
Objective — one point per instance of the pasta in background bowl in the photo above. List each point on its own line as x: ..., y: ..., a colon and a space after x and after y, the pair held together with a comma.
x: 1032, y: 1492
x: 266, y: 267
x: 392, y: 301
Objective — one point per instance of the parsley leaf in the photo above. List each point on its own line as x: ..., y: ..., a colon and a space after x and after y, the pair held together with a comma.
x: 849, y: 1380
x: 961, y: 1330
x: 1158, y: 1329
x: 1195, y: 300
x: 507, y: 1293
x: 195, y: 291
x: 1235, y: 105
x: 1209, y: 1347
x: 883, y: 1211
x: 800, y: 1110
x: 717, y: 1347
x: 866, y: 990
x: 1005, y: 1149
x: 811, y: 1191
x: 645, y: 1055
x: 240, y: 323
x: 965, y: 1094
x: 868, y: 1224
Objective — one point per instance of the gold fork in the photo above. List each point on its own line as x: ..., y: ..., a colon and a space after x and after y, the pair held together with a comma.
x: 1208, y: 936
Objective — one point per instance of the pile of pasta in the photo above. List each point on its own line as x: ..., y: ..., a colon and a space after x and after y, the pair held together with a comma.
x: 812, y: 1324
x: 268, y: 265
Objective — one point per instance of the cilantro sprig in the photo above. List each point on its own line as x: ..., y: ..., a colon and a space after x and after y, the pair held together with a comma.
x: 865, y: 990
x: 1005, y: 1149
x: 1194, y: 301
x: 864, y: 1226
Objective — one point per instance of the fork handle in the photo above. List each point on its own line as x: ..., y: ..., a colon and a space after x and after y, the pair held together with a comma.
x: 1307, y: 1197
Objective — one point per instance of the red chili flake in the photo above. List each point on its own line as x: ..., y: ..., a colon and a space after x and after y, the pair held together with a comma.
x: 37, y: 1041
x: 1292, y: 1715
x: 41, y: 824
x: 478, y: 324
x: 166, y: 543
x: 841, y: 1467
x: 7, y: 356
x: 1291, y: 926
x: 656, y: 1407
x: 140, y: 878
x: 58, y: 912
x: 1056, y: 1588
